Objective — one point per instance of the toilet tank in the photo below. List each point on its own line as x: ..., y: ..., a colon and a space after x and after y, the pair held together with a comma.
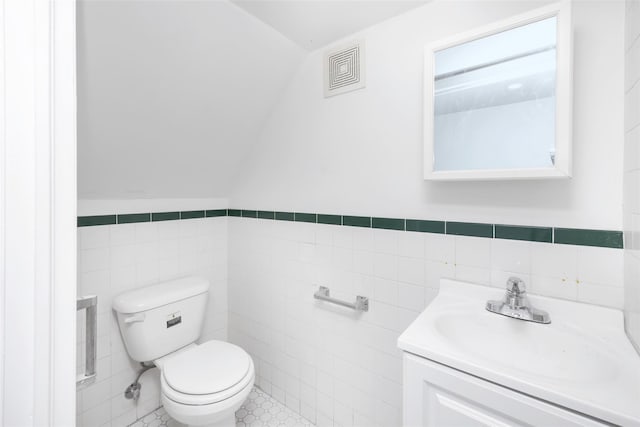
x: 159, y: 319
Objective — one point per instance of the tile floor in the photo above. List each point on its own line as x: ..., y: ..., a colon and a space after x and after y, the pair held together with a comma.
x: 259, y: 410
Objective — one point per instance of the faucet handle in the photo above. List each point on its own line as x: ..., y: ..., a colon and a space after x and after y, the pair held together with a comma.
x: 516, y: 286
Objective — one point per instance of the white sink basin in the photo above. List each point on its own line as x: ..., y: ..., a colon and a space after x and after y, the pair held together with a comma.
x: 582, y: 360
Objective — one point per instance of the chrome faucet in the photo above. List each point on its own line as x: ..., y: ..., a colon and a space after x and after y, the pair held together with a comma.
x: 516, y: 304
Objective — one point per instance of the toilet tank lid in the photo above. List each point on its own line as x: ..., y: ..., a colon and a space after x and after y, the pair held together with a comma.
x: 160, y: 294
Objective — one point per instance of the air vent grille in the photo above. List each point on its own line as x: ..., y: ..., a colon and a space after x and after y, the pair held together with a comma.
x: 343, y: 69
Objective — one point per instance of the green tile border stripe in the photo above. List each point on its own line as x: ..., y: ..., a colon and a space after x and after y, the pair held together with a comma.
x: 266, y: 215
x: 191, y: 214
x: 305, y: 217
x: 357, y: 221
x: 424, y: 226
x: 600, y: 238
x: 329, y: 219
x: 215, y: 213
x: 165, y: 216
x: 246, y: 213
x: 285, y: 216
x: 517, y: 232
x: 88, y: 221
x: 473, y: 229
x: 388, y: 223
x: 568, y: 236
x: 132, y: 218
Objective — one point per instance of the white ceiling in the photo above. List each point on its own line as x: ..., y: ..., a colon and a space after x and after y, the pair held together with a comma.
x: 315, y: 23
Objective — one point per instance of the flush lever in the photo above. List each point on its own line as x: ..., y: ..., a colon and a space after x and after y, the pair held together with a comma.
x: 138, y: 317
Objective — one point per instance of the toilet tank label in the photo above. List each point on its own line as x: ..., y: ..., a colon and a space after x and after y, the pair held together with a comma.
x: 174, y: 319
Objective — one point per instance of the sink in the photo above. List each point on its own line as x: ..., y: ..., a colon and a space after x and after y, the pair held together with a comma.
x: 582, y: 360
x: 531, y: 349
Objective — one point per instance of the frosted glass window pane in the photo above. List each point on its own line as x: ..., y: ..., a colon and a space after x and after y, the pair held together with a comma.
x: 495, y: 101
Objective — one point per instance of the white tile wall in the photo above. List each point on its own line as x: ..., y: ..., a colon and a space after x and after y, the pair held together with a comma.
x: 631, y: 200
x: 116, y: 258
x: 337, y: 367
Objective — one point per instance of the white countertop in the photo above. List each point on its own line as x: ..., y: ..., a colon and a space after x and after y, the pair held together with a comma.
x: 582, y: 360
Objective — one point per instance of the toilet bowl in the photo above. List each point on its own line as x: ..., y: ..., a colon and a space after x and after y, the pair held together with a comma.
x: 201, y: 385
x: 204, y: 385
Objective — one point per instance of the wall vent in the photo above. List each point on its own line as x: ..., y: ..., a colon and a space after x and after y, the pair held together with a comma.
x: 344, y: 69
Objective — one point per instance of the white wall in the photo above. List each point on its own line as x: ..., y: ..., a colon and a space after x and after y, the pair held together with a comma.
x: 338, y: 368
x: 632, y: 172
x: 361, y: 153
x: 116, y: 258
x: 171, y: 94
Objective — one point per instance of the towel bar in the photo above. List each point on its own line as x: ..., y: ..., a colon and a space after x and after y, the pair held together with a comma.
x: 90, y: 304
x: 361, y: 303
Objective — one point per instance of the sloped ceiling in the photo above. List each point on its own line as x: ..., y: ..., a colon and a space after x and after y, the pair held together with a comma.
x: 171, y: 95
x: 315, y: 23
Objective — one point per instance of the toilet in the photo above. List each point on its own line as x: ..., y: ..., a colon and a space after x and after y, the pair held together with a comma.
x: 201, y: 384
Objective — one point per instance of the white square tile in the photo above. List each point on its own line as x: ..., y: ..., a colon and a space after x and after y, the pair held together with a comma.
x: 342, y: 414
x: 411, y: 245
x: 601, y: 295
x: 93, y: 237
x: 385, y: 266
x: 97, y: 415
x: 473, y: 252
x: 324, y: 234
x: 439, y: 247
x: 342, y: 237
x: 603, y: 266
x: 342, y: 258
x: 94, y: 259
x: 388, y: 391
x: 307, y: 394
x: 385, y: 241
x: 411, y: 297
x: 325, y: 382
x: 95, y: 394
x: 325, y: 404
x: 168, y: 230
x: 123, y: 407
x: 122, y: 234
x: 363, y: 262
x: 411, y: 270
x: 511, y: 255
x: 436, y: 270
x: 385, y: 290
x: 146, y: 232
x: 554, y: 260
x: 362, y: 238
x: 123, y: 255
x: 554, y: 287
x: 480, y: 276
x: 306, y: 252
x: 125, y: 419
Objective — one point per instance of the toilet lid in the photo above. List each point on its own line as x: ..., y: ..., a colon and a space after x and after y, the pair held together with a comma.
x: 209, y: 368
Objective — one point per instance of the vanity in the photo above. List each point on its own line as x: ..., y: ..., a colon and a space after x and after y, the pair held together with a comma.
x: 464, y: 365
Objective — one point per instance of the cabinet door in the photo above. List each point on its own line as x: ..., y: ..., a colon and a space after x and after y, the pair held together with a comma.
x: 436, y: 395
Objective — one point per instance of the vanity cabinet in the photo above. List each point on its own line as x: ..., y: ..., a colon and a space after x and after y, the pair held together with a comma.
x: 440, y: 396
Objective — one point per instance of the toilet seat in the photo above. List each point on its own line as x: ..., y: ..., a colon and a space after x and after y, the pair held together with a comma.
x: 209, y: 373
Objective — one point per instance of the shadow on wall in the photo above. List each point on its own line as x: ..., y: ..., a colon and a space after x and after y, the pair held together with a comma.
x: 552, y: 194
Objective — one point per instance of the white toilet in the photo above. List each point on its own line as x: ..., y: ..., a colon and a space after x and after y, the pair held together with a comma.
x: 201, y: 385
